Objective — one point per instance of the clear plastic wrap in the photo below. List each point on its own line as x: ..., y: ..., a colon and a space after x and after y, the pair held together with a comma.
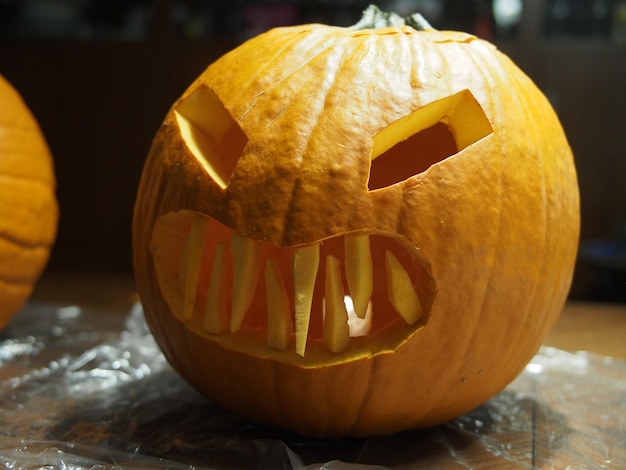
x: 82, y: 389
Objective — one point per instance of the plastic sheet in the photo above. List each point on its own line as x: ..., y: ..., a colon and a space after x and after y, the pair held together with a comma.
x: 82, y: 389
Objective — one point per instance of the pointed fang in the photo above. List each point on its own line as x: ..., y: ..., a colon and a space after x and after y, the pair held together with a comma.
x: 359, y: 271
x: 400, y: 290
x: 246, y: 267
x: 191, y: 262
x: 279, y: 323
x: 306, y: 261
x: 336, y: 331
x: 216, y: 315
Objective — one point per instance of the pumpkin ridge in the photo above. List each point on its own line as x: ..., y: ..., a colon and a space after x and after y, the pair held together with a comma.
x: 523, y: 104
x: 479, y: 62
x: 457, y: 375
x: 454, y: 375
x: 330, y: 78
x: 11, y: 125
x: 21, y: 282
x: 12, y: 284
x: 515, y: 85
x: 461, y: 351
x: 25, y: 279
x: 11, y: 238
x: 268, y: 64
x: 34, y: 200
x: 25, y: 239
x: 272, y: 63
x: 277, y: 394
x: 369, y: 366
x: 37, y: 181
x: 326, y: 49
x: 222, y: 81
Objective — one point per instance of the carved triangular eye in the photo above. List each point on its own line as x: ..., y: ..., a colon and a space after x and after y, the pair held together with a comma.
x: 210, y: 133
x: 427, y: 136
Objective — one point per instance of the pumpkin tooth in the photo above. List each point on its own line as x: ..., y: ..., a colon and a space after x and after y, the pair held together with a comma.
x: 278, y: 310
x: 400, y: 290
x: 246, y: 267
x: 191, y: 262
x: 359, y: 271
x: 305, y: 265
x: 216, y: 316
x: 336, y: 331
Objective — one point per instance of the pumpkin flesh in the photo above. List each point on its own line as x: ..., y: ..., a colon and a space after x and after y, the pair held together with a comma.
x: 484, y: 226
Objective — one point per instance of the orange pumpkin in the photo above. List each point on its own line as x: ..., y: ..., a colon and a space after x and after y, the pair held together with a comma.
x: 355, y: 231
x: 28, y: 205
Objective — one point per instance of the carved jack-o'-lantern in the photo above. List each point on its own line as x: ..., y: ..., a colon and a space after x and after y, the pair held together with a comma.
x: 353, y: 231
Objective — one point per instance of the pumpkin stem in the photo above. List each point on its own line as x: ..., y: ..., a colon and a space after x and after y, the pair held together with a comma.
x: 373, y: 17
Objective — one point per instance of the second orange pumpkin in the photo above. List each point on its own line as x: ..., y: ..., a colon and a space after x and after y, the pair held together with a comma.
x: 28, y: 206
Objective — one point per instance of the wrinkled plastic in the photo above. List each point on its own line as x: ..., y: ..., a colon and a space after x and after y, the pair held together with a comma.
x: 81, y: 389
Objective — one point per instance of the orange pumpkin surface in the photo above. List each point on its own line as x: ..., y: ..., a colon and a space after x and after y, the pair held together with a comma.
x: 28, y: 206
x: 355, y: 231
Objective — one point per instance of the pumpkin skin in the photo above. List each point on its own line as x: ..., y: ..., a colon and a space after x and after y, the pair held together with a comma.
x: 289, y: 140
x: 28, y: 206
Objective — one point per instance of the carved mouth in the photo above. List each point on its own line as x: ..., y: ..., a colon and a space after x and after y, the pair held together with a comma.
x: 336, y: 293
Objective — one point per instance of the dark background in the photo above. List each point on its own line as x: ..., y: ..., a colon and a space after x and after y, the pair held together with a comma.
x: 100, y: 75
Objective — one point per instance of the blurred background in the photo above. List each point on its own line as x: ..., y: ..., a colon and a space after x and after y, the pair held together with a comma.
x: 100, y: 75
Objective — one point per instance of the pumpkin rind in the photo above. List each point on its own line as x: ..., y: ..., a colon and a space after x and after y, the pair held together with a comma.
x: 497, y: 222
x: 28, y: 206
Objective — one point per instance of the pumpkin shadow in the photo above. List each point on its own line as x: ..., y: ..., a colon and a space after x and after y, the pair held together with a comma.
x: 163, y: 417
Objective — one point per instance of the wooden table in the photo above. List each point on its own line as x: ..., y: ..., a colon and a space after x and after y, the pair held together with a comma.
x: 595, y: 327
x: 551, y: 416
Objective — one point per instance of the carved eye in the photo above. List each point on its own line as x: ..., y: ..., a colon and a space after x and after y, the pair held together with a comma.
x: 210, y: 133
x: 427, y: 136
